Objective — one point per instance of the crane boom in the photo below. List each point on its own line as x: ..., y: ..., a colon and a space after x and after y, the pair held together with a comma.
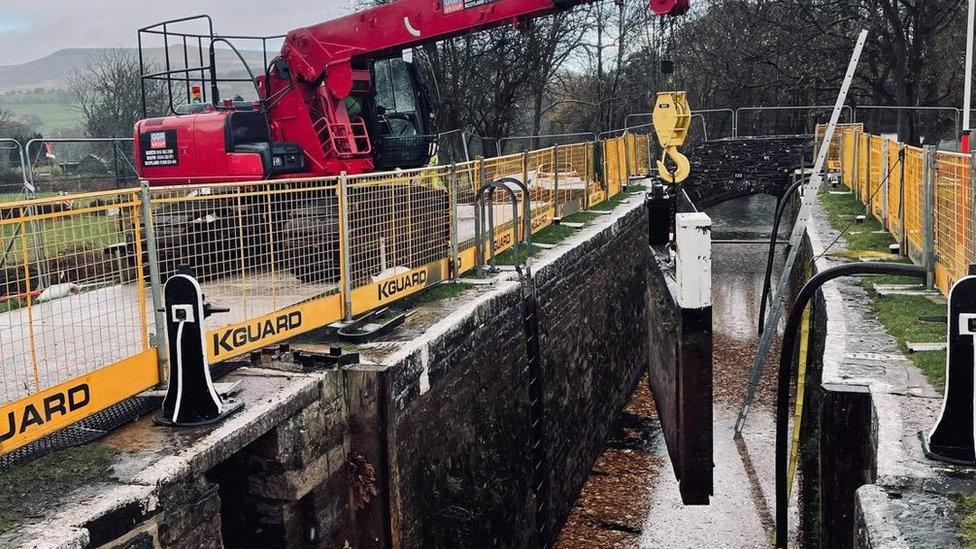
x: 323, y: 106
x: 388, y: 29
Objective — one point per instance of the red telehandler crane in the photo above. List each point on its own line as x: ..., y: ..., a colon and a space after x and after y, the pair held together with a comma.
x: 336, y: 98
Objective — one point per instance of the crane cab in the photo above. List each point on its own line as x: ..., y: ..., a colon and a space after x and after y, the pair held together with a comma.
x: 286, y: 128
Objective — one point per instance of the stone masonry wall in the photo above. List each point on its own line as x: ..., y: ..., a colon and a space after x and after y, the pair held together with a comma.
x: 727, y: 168
x: 459, y: 456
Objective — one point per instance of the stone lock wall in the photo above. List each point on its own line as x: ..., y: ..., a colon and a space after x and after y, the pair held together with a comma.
x: 460, y: 459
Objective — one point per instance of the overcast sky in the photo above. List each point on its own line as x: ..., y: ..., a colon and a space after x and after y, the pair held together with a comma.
x: 30, y: 29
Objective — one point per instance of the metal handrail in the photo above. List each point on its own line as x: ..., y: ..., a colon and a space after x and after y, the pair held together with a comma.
x: 850, y: 111
x: 955, y: 119
x: 501, y: 141
x: 480, y: 204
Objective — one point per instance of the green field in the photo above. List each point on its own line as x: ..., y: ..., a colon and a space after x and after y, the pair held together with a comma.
x: 50, y: 106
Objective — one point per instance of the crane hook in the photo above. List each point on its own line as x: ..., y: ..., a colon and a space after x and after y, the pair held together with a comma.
x: 681, y: 163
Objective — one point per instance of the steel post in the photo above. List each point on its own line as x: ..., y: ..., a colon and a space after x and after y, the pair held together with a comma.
x: 627, y: 172
x: 883, y: 169
x: 928, y: 214
x: 464, y: 143
x: 479, y: 247
x: 525, y: 181
x: 155, y: 282
x: 452, y: 182
x: 345, y: 266
x: 555, y: 181
x: 972, y: 200
x: 903, y: 241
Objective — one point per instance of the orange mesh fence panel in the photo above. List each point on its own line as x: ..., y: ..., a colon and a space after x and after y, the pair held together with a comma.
x: 914, y: 198
x: 572, y: 179
x: 863, y: 163
x: 258, y: 248
x: 952, y: 218
x: 74, y: 317
x: 849, y: 157
x: 641, y: 163
x: 876, y: 175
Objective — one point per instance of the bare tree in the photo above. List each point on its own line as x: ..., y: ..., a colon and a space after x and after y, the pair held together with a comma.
x: 107, y: 93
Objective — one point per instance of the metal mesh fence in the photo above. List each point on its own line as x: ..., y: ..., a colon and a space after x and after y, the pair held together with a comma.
x: 896, y: 190
x: 397, y: 223
x: 911, y: 174
x: 799, y: 120
x: 913, y: 125
x: 78, y: 272
x: 914, y: 169
x: 71, y: 300
x: 12, y: 170
x: 876, y: 174
x: 256, y: 247
x: 64, y: 166
x: 953, y: 245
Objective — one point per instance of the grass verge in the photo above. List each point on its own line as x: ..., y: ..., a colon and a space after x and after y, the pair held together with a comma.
x: 901, y: 315
x: 556, y: 233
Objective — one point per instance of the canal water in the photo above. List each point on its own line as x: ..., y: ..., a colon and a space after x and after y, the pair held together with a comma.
x: 631, y: 498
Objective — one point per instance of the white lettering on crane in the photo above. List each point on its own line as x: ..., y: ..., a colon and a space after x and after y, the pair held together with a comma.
x: 410, y: 28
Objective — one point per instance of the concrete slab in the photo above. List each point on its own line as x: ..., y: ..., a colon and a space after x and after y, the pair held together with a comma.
x: 922, y: 292
x: 150, y: 458
x: 926, y: 347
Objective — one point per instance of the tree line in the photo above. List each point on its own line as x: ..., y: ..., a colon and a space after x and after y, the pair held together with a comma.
x: 586, y: 69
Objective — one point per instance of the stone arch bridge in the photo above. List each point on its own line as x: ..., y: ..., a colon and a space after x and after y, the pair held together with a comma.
x: 730, y: 168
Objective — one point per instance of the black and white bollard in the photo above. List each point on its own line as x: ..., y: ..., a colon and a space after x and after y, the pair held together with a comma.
x: 191, y: 399
x: 952, y: 439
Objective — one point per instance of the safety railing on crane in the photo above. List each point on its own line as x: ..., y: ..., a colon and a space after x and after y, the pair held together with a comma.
x: 80, y: 286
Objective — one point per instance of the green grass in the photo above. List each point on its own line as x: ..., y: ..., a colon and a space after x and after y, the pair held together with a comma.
x: 841, y: 209
x: 900, y: 317
x: 556, y: 232
x: 899, y: 314
x: 49, y: 106
x: 37, y: 486
x: 62, y: 235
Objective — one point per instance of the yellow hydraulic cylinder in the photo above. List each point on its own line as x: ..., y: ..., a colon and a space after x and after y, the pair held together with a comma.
x: 672, y: 120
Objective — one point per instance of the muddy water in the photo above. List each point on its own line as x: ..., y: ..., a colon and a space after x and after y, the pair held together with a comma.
x: 631, y: 498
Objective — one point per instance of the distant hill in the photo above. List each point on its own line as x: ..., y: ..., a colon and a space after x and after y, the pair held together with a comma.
x: 48, y: 72
x: 34, y: 88
x: 52, y: 72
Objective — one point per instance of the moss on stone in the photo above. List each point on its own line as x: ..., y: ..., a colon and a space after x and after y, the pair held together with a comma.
x: 436, y: 293
x: 966, y: 507
x: 34, y: 487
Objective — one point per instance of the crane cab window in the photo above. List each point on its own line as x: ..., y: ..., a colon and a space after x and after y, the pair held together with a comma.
x: 396, y: 98
x: 400, y: 122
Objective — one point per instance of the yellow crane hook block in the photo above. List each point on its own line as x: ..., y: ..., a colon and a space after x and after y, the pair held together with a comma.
x: 672, y: 120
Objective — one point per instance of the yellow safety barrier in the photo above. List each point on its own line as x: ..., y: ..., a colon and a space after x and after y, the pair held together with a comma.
x: 895, y: 171
x: 897, y: 194
x: 74, y: 315
x: 953, y: 245
x: 77, y: 318
x: 912, y: 213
